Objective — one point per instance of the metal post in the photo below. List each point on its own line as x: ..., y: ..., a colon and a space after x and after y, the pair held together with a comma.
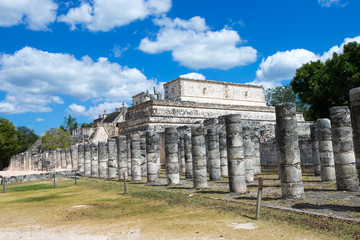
x: 3, y: 180
x: 54, y: 179
x: 75, y: 178
x: 259, y: 198
x: 125, y: 190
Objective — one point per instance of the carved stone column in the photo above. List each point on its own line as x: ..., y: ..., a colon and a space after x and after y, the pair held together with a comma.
x: 355, y: 117
x: 122, y: 156
x: 248, y: 154
x: 128, y: 155
x: 63, y: 158
x: 81, y: 157
x: 68, y: 158
x: 214, y: 154
x: 58, y: 159
x: 103, y: 160
x: 188, y: 156
x: 326, y: 150
x: 315, y: 150
x: 143, y: 156
x: 182, y: 154
x: 255, y: 140
x: 152, y: 146
x: 288, y: 151
x: 87, y: 160
x: 171, y: 156
x: 74, y: 157
x: 135, y: 157
x: 199, y: 157
x: 344, y: 157
x: 112, y: 159
x: 223, y: 154
x: 94, y: 162
x: 235, y: 153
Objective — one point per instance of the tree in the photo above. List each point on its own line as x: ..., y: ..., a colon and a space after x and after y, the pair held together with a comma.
x: 282, y: 94
x: 9, y: 142
x: 56, y: 138
x: 86, y: 125
x: 69, y: 124
x: 26, y: 137
x: 324, y: 85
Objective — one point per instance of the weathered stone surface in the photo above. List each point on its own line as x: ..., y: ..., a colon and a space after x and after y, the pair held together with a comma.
x: 135, y: 157
x: 87, y: 160
x: 51, y: 158
x: 248, y: 154
x: 171, y: 156
x: 63, y: 159
x: 152, y: 148
x: 342, y: 141
x: 355, y: 118
x: 81, y: 157
x: 35, y: 160
x: 255, y: 141
x: 315, y: 150
x: 68, y: 158
x: 223, y: 154
x: 199, y: 157
x: 128, y: 155
x: 143, y: 156
x: 112, y: 159
x: 58, y: 159
x: 326, y: 150
x: 235, y: 153
x: 213, y: 154
x: 182, y: 154
x: 94, y: 160
x: 74, y: 156
x: 122, y: 157
x: 103, y: 160
x: 288, y: 151
x: 188, y: 155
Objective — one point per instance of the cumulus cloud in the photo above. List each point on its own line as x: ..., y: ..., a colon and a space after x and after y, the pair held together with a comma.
x: 282, y: 65
x: 193, y: 45
x: 193, y: 75
x: 39, y: 119
x: 35, y: 14
x: 104, y: 15
x: 34, y: 80
x: 94, y: 111
x: 329, y: 3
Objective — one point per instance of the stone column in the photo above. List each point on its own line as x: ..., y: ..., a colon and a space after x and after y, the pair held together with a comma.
x: 248, y: 155
x: 22, y: 165
x: 325, y: 150
x: 68, y: 158
x: 182, y: 154
x: 122, y: 156
x: 103, y: 160
x: 27, y: 161
x: 198, y: 142
x: 188, y: 156
x: 52, y: 157
x: 112, y: 159
x: 35, y: 159
x: 87, y: 159
x: 171, y: 156
x: 223, y: 154
x: 94, y: 160
x: 344, y: 157
x: 315, y: 149
x: 235, y: 153
x: 58, y: 159
x: 135, y: 157
x: 81, y: 157
x: 255, y: 140
x: 128, y: 155
x: 143, y: 156
x: 355, y: 117
x: 152, y: 146
x: 214, y: 154
x: 63, y: 159
x: 288, y: 151
x: 74, y: 157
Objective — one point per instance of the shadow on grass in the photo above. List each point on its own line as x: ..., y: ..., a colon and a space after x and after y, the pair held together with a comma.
x: 332, y: 207
x: 34, y: 187
x: 320, y: 190
x: 254, y: 198
x: 213, y: 192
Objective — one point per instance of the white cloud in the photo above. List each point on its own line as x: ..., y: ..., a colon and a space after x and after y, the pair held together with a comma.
x: 104, y: 15
x: 39, y: 119
x: 329, y: 3
x: 193, y: 75
x: 94, y: 111
x: 282, y: 65
x: 195, y: 46
x: 34, y: 79
x: 35, y: 14
x: 118, y: 51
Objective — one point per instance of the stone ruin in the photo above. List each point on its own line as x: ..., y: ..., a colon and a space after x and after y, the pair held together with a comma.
x: 226, y: 146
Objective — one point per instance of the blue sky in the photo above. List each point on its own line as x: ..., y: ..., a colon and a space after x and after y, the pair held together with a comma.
x: 84, y: 57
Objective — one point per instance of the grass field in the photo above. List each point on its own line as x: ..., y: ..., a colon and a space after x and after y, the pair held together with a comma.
x: 99, y: 209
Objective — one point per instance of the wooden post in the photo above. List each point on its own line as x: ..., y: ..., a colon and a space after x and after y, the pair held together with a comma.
x: 259, y: 198
x: 54, y: 179
x: 75, y: 178
x: 125, y: 190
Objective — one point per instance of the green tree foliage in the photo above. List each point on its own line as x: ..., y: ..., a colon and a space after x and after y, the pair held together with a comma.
x: 282, y: 94
x: 26, y: 137
x: 324, y: 85
x: 69, y: 124
x: 9, y: 142
x: 56, y: 138
x: 86, y: 125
